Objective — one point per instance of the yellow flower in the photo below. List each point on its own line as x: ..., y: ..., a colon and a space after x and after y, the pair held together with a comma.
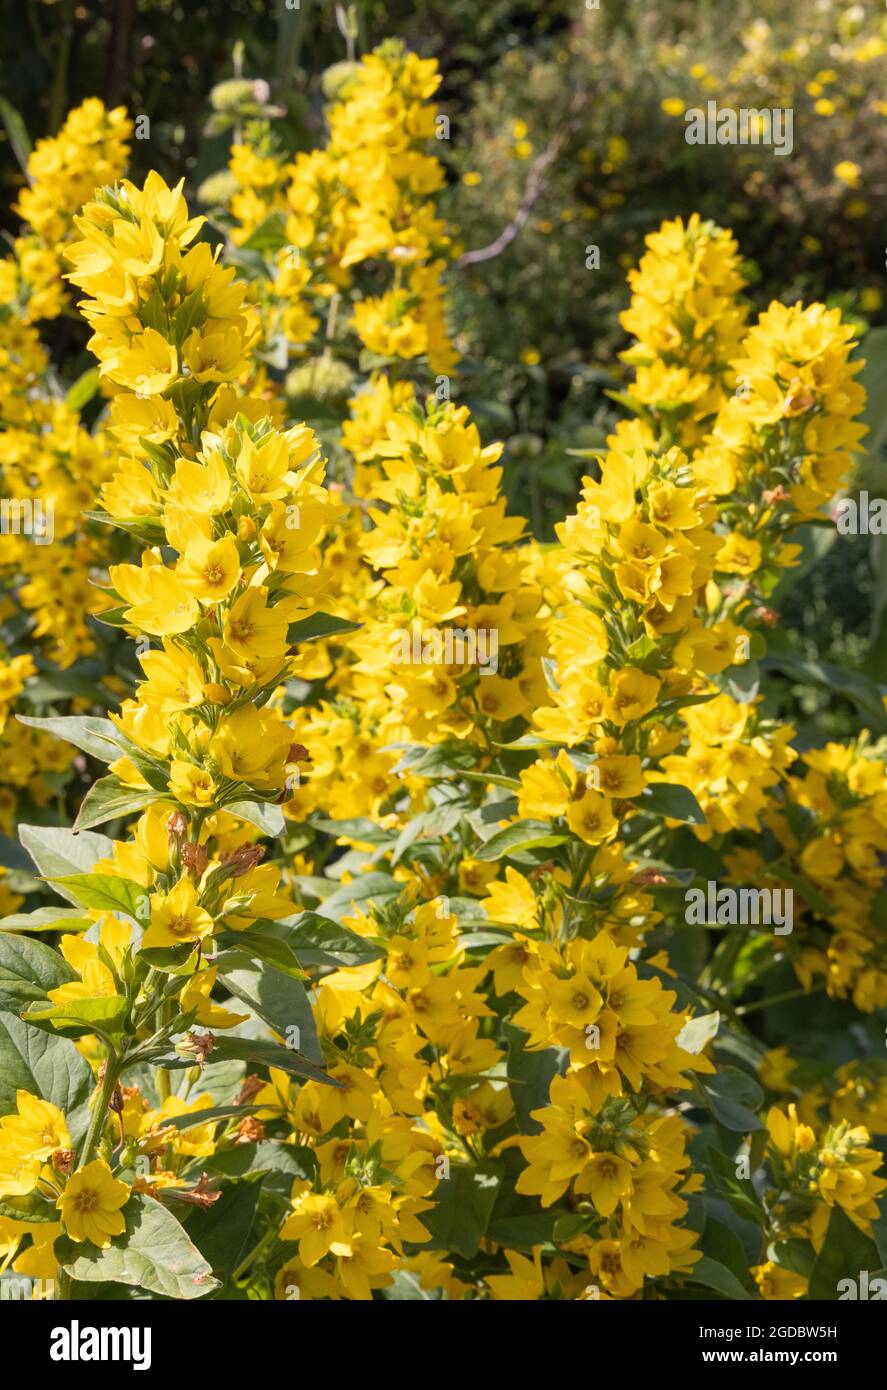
x: 525, y: 1283
x: 91, y: 1204
x: 848, y: 172
x: 38, y: 1129
x: 591, y: 818
x: 318, y: 1226
x: 177, y: 917
x: 196, y: 996
x: 191, y: 785
x: 210, y: 569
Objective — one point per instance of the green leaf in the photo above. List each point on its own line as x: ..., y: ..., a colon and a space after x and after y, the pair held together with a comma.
x: 447, y: 759
x: 845, y: 1254
x: 669, y: 799
x: 13, y: 856
x: 738, y: 1192
x: 318, y: 626
x: 722, y: 1244
x: 50, y: 1067
x: 279, y: 1000
x: 523, y: 1229
x: 437, y: 822
x: 713, y: 1275
x: 270, y: 235
x: 32, y: 1207
x: 221, y: 1232
x: 268, y: 946
x: 463, y: 1206
x: 265, y: 816
x: 733, y: 1096
x: 85, y: 1015
x: 92, y: 735
x: 530, y: 1075
x: 796, y: 1255
x: 28, y: 971
x: 365, y: 888
x: 17, y: 132
x: 105, y: 893
x: 66, y: 919
x: 853, y: 685
x: 109, y: 798
x: 147, y: 529
x: 153, y: 1254
x: 874, y: 378
x: 268, y: 1054
x: 741, y: 682
x: 523, y: 834
x: 318, y: 941
x: 194, y: 1118
x: 83, y: 390
x: 58, y: 851
x: 879, y: 1232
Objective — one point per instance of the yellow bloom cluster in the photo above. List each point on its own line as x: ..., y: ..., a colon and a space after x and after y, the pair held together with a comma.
x: 462, y: 971
x: 363, y: 200
x: 688, y: 323
x: 90, y: 150
x: 831, y: 830
x: 814, y: 1173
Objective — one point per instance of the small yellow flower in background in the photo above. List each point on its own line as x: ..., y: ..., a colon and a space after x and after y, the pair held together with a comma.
x: 472, y: 178
x: 848, y: 173
x: 856, y: 208
x: 523, y: 149
x: 672, y: 106
x: 90, y: 1204
x: 872, y: 48
x: 871, y: 299
x: 519, y: 130
x: 530, y: 357
x: 825, y: 107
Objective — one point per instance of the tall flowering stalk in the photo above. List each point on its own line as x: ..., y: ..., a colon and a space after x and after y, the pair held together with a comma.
x: 232, y: 509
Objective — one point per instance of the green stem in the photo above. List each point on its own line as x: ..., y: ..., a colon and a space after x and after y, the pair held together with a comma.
x: 113, y: 1068
x: 253, y: 1254
x: 777, y: 999
x: 161, y: 1074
